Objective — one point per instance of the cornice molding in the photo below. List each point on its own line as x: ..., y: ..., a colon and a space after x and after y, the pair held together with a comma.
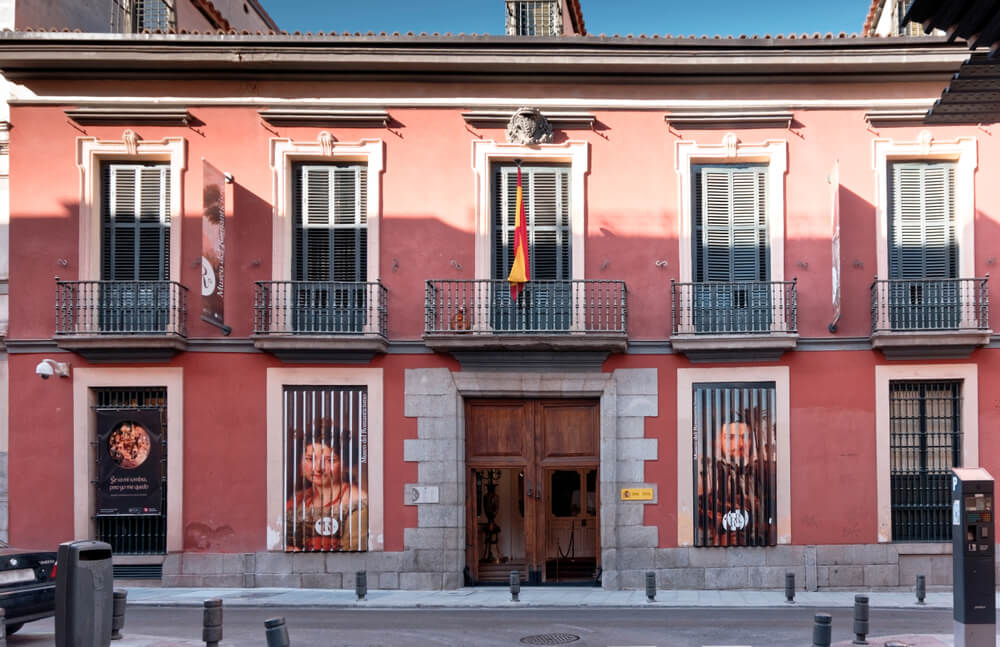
x: 86, y: 115
x: 500, y: 118
x: 325, y: 117
x: 730, y: 118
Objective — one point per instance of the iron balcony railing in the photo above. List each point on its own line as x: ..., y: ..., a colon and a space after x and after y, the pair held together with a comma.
x: 543, y: 307
x: 121, y: 308
x: 900, y: 305
x: 734, y: 308
x: 320, y: 308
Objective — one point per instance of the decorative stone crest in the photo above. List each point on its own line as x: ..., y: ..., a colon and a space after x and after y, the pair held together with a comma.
x: 326, y: 143
x: 131, y: 141
x: 528, y: 126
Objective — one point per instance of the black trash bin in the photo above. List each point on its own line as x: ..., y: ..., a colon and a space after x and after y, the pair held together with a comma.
x: 84, y: 594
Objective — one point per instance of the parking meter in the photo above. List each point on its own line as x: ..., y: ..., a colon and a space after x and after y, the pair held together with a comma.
x: 973, y: 557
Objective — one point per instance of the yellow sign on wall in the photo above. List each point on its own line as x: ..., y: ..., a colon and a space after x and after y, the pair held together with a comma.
x: 637, y: 494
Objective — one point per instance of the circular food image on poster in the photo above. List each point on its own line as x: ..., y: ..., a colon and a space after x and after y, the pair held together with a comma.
x: 129, y: 445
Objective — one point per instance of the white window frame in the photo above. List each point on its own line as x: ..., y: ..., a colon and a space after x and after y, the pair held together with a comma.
x: 85, y: 380
x: 686, y: 379
x: 964, y: 152
x: 486, y: 153
x: 284, y: 154
x: 968, y: 374
x: 772, y: 152
x: 91, y: 153
x: 277, y: 379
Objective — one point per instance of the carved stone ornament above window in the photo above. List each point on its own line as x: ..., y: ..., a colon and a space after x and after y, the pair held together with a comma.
x: 528, y: 127
x: 131, y: 141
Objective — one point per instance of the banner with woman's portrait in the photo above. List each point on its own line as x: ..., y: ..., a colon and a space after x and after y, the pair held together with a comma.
x: 130, y: 471
x: 735, y: 468
x: 326, y: 468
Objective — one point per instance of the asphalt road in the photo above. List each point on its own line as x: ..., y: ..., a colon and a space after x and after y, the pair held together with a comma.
x: 488, y: 628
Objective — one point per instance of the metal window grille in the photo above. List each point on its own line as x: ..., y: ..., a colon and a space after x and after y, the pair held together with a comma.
x: 134, y: 16
x: 136, y: 535
x: 534, y: 18
x: 925, y: 442
x: 326, y: 468
x: 735, y: 478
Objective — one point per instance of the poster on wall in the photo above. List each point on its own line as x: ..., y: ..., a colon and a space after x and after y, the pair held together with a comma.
x: 213, y: 248
x: 129, y: 480
x: 326, y: 454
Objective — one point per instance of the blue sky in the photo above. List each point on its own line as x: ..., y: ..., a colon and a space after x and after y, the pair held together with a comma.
x: 677, y: 17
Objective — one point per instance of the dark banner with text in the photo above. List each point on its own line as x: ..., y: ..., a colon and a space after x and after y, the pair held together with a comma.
x: 213, y: 247
x: 128, y: 461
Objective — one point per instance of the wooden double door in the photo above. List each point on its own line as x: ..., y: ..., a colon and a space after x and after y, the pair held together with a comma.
x: 532, y: 501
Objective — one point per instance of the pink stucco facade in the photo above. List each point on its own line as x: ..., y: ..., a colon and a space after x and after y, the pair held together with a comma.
x: 428, y: 214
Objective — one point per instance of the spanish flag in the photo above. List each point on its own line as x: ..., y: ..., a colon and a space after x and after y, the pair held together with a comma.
x: 519, y: 271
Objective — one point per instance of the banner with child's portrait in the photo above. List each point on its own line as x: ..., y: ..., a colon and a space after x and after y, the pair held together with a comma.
x: 130, y: 470
x: 326, y: 468
x: 735, y: 468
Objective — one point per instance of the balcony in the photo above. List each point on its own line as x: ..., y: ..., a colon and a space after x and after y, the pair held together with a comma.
x: 121, y: 320
x: 480, y: 315
x: 320, y: 320
x: 735, y: 320
x: 927, y: 318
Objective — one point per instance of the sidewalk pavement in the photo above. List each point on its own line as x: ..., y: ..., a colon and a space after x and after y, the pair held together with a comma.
x: 499, y: 597
x: 530, y: 597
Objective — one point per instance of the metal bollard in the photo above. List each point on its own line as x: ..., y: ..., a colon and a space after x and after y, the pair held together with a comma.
x: 650, y: 586
x: 789, y: 588
x: 822, y: 630
x: 3, y: 628
x: 361, y: 584
x: 118, y: 613
x: 515, y: 586
x: 211, y: 627
x: 921, y: 589
x: 860, y: 619
x: 276, y: 632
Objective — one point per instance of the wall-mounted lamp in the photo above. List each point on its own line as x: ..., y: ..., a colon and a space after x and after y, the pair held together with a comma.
x: 605, y: 264
x: 395, y: 264
x: 803, y: 264
x: 991, y: 260
x: 49, y: 367
x: 660, y: 263
x: 456, y: 264
x: 62, y: 262
x: 858, y: 265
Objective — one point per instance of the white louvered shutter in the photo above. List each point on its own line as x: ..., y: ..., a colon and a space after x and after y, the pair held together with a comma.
x: 135, y: 237
x: 922, y: 243
x: 545, y: 191
x: 331, y: 223
x: 730, y: 225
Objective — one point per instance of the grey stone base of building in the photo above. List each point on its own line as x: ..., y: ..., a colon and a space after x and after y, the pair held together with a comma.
x: 832, y: 567
x: 409, y: 570
x: 823, y: 567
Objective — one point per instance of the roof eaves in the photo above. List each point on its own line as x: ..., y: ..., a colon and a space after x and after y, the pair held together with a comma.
x: 213, y: 15
x: 871, y: 20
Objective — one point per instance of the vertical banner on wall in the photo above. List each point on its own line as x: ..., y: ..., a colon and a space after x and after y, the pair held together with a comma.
x: 129, y: 479
x: 213, y: 247
x: 835, y: 238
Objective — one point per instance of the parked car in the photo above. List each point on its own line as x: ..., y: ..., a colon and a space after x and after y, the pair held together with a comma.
x: 27, y: 585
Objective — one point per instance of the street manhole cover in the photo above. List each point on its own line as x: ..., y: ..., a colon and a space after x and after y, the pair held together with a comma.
x: 550, y: 639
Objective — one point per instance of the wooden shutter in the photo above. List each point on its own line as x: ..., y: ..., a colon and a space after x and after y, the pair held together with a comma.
x: 135, y: 215
x: 730, y: 224
x: 922, y: 240
x: 546, y: 205
x: 331, y: 223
